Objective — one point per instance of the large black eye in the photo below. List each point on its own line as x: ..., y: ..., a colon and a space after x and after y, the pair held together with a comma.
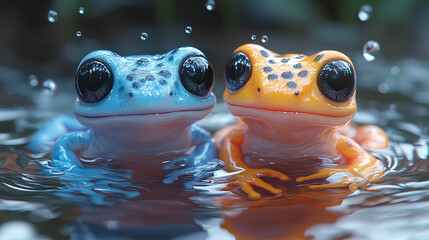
x: 337, y: 81
x: 237, y: 71
x: 94, y: 81
x: 196, y: 75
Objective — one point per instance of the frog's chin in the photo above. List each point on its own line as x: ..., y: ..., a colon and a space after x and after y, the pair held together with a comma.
x: 291, y: 118
x: 145, y: 120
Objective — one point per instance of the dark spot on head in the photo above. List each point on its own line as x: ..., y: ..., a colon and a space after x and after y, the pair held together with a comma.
x: 174, y: 51
x: 150, y: 78
x: 284, y: 60
x: 160, y: 65
x: 130, y: 94
x: 267, y: 69
x: 259, y: 90
x: 171, y: 58
x: 130, y: 76
x: 318, y: 57
x: 272, y: 76
x: 296, y: 93
x: 175, y: 83
x: 264, y: 53
x: 298, y: 65
x: 299, y: 57
x: 162, y: 82
x: 171, y: 93
x: 303, y: 73
x: 142, y: 61
x: 115, y: 54
x: 292, y: 85
x: 136, y: 84
x: 164, y: 73
x: 121, y: 88
x: 271, y: 61
x: 287, y: 75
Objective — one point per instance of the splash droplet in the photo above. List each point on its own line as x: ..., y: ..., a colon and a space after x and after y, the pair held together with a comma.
x: 144, y: 36
x: 81, y: 10
x: 188, y: 29
x: 264, y: 39
x: 49, y: 87
x: 78, y: 33
x: 32, y: 80
x: 52, y: 16
x: 253, y: 37
x: 395, y: 70
x: 210, y: 5
x: 365, y: 13
x: 371, y: 50
x: 383, y: 87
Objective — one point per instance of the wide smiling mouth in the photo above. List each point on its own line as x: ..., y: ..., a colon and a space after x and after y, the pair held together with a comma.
x: 145, y: 114
x: 286, y: 111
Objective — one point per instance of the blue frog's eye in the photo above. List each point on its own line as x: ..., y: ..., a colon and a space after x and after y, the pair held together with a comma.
x: 237, y: 71
x: 93, y: 81
x: 196, y: 75
x: 337, y: 81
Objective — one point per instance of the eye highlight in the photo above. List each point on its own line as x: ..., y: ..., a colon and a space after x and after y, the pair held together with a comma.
x: 337, y: 81
x: 237, y: 71
x: 93, y: 81
x: 196, y: 75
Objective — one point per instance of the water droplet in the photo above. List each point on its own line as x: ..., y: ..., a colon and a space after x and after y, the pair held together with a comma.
x: 365, y: 13
x: 383, y: 87
x: 32, y: 80
x: 81, y: 10
x: 52, y: 16
x: 395, y: 70
x: 264, y: 39
x: 253, y: 37
x: 370, y: 50
x: 49, y: 87
x: 210, y: 5
x: 188, y: 29
x: 144, y: 36
x: 78, y: 33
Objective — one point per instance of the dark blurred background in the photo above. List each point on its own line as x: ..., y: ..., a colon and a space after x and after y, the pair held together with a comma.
x: 34, y: 45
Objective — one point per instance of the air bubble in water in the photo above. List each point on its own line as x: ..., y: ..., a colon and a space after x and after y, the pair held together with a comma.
x: 49, y: 87
x: 144, y: 36
x: 253, y: 37
x: 370, y: 50
x: 52, y: 16
x: 365, y: 13
x: 210, y: 5
x: 264, y: 39
x: 32, y: 80
x: 81, y: 10
x: 78, y: 33
x: 188, y: 29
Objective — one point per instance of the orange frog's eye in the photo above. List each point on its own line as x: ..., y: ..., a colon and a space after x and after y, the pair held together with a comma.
x: 237, y: 71
x: 337, y: 81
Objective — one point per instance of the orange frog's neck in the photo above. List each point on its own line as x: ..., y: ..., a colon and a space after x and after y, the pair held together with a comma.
x: 291, y: 140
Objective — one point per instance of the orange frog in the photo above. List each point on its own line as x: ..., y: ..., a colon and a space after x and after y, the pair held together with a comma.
x: 294, y: 113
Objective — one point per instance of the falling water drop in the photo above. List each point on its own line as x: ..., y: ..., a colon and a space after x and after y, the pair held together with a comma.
x: 78, y: 33
x: 370, y: 50
x: 52, y: 16
x: 49, y: 87
x: 144, y: 36
x: 253, y: 37
x: 210, y: 5
x: 81, y: 10
x: 365, y: 13
x: 32, y: 80
x: 188, y: 29
x: 264, y: 39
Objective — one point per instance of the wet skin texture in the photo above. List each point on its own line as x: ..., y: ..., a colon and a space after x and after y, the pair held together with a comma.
x: 292, y: 108
x: 136, y: 107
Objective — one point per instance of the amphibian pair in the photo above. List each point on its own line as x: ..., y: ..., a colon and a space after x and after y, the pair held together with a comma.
x: 290, y: 108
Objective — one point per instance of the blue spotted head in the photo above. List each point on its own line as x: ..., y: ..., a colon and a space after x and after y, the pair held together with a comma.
x: 171, y: 88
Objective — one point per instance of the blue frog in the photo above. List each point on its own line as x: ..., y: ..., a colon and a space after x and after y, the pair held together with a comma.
x: 139, y: 109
